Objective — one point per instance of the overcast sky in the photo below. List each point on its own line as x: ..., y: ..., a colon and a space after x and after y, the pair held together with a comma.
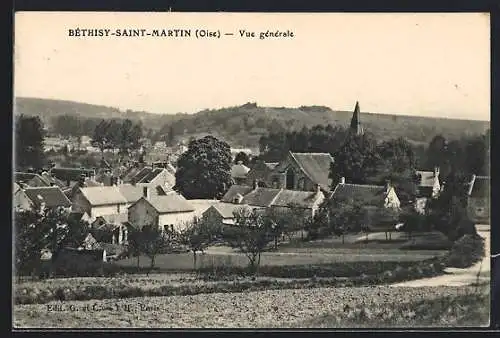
x: 411, y: 64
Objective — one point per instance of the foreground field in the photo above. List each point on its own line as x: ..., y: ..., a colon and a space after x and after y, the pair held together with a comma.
x: 320, y: 307
x: 224, y: 257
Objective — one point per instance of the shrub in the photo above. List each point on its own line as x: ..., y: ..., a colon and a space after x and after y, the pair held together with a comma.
x: 466, y: 251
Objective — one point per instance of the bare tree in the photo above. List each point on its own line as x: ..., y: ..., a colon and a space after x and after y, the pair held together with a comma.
x: 251, y: 235
x: 197, y: 236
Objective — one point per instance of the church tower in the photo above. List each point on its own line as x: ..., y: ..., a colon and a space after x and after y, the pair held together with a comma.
x: 356, y: 127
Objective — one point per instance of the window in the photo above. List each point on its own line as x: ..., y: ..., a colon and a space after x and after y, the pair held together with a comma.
x: 118, y: 208
x: 290, y: 179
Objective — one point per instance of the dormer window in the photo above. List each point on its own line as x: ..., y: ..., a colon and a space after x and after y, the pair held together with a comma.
x: 238, y: 199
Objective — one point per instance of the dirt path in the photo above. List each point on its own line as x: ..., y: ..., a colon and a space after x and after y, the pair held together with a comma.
x: 459, y: 277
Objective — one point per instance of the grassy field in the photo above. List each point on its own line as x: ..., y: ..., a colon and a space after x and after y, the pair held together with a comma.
x: 319, y: 307
x: 184, y: 261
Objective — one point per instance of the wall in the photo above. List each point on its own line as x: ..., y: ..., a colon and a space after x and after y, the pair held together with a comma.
x: 392, y: 200
x: 21, y: 201
x: 213, y: 216
x: 178, y: 219
x: 141, y: 214
x: 80, y: 204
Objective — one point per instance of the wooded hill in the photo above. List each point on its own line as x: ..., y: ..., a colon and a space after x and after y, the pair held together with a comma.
x: 244, y: 125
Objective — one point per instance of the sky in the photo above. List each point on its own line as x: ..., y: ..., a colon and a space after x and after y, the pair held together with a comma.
x: 409, y: 64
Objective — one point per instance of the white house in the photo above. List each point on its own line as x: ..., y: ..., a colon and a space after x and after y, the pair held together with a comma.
x: 99, y: 201
x: 171, y: 210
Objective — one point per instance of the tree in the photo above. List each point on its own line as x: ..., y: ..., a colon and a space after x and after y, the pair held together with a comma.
x: 344, y: 215
x: 396, y: 164
x: 50, y: 229
x: 242, y: 157
x: 449, y: 210
x: 277, y: 223
x: 153, y: 242
x: 198, y: 235
x: 29, y: 142
x: 101, y: 138
x: 203, y: 171
x: 356, y: 160
x: 436, y: 152
x: 251, y: 235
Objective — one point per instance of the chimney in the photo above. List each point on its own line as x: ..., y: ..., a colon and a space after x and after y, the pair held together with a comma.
x: 342, y: 180
x: 132, y: 181
x: 318, y: 188
x: 146, y: 193
x: 436, y: 171
x: 239, y: 162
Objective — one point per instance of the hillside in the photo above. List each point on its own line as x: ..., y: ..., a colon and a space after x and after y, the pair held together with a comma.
x: 48, y: 109
x: 244, y: 125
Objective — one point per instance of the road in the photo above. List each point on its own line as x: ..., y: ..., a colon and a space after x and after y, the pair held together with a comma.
x: 460, y: 277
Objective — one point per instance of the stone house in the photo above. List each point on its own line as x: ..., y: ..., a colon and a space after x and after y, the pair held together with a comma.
x: 262, y: 173
x: 371, y: 197
x: 428, y: 187
x: 99, y: 201
x: 302, y: 171
x: 256, y: 197
x: 39, y: 198
x: 171, y: 210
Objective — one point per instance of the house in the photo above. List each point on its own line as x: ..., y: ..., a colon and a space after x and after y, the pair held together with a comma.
x: 239, y: 173
x: 20, y: 200
x: 478, y: 199
x: 223, y: 213
x: 47, y: 197
x: 99, y: 201
x: 83, y: 182
x: 262, y: 172
x: 282, y: 200
x: 171, y: 210
x: 303, y: 171
x: 111, y: 229
x: 371, y: 197
x: 72, y: 175
x: 149, y: 177
x: 428, y: 187
x: 30, y: 180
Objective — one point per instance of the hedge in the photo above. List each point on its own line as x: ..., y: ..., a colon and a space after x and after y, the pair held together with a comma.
x: 30, y: 295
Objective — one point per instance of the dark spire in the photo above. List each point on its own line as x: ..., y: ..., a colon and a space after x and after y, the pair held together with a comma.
x: 355, y: 121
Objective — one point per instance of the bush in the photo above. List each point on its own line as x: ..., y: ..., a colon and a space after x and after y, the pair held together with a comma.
x: 466, y: 251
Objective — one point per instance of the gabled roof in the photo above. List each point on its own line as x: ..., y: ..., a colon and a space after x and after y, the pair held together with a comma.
x: 30, y: 179
x: 316, y: 166
x: 72, y: 174
x: 130, y: 192
x: 151, y: 175
x: 261, y: 197
x: 51, y: 196
x: 479, y: 187
x: 226, y: 210
x: 305, y: 199
x: 234, y: 190
x: 368, y: 194
x: 169, y: 203
x: 103, y: 195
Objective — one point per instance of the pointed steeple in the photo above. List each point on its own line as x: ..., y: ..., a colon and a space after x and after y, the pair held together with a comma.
x: 355, y: 121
